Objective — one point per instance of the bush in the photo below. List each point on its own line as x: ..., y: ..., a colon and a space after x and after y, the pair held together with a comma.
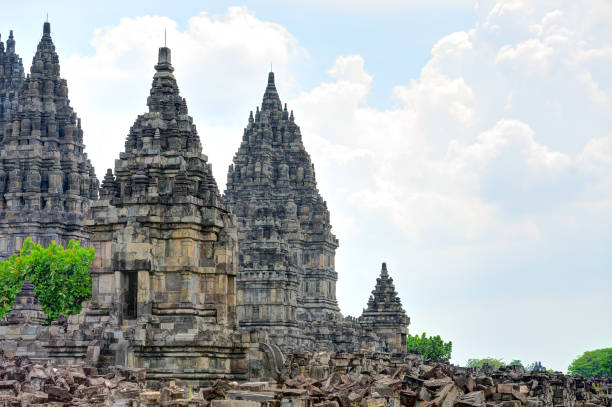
x: 432, y: 348
x: 11, y: 279
x: 593, y: 363
x: 60, y: 277
x: 479, y: 363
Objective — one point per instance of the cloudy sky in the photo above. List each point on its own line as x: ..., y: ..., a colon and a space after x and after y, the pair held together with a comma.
x: 468, y: 145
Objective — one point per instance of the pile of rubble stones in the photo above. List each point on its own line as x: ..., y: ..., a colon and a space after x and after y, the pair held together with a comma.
x: 26, y: 382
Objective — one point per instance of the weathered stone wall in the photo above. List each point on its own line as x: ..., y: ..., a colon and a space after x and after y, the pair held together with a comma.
x: 47, y: 182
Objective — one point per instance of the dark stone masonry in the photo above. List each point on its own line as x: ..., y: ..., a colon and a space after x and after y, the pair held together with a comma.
x: 187, y: 284
x: 46, y: 180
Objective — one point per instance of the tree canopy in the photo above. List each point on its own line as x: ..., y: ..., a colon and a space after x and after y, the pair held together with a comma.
x: 432, y: 348
x: 60, y: 277
x: 593, y: 363
x: 479, y: 363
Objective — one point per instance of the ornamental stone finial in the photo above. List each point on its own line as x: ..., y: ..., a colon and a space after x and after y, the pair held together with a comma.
x: 164, y: 56
x: 164, y: 60
x: 10, y: 43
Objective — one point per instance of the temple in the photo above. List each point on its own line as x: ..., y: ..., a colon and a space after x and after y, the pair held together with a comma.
x: 186, y: 283
x: 287, y: 279
x: 384, y: 314
x: 47, y: 182
x: 163, y: 279
x: 166, y: 250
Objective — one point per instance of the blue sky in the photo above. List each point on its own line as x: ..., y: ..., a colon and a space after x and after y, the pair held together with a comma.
x: 394, y: 44
x: 466, y: 144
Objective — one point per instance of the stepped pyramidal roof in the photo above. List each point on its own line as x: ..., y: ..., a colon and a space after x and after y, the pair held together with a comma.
x: 11, y: 78
x: 166, y: 132
x: 46, y: 180
x: 384, y: 298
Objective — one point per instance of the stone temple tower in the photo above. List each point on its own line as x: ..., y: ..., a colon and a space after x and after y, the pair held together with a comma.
x: 287, y: 279
x: 47, y: 182
x: 385, y: 315
x: 11, y: 78
x: 164, y: 277
x: 287, y: 274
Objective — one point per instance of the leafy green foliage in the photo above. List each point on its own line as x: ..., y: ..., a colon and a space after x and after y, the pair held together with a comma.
x: 593, y: 363
x: 516, y: 362
x: 60, y: 277
x: 11, y: 279
x: 432, y: 348
x: 479, y: 363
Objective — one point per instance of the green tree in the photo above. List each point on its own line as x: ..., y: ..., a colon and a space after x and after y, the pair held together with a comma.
x: 516, y: 362
x: 60, y: 277
x: 11, y: 279
x: 479, y: 363
x: 432, y: 348
x: 593, y: 363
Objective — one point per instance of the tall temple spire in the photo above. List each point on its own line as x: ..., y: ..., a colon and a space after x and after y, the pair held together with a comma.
x: 287, y: 247
x: 178, y: 134
x: 49, y: 182
x: 271, y: 100
x: 45, y: 63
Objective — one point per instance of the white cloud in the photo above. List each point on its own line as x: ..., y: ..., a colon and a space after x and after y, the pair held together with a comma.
x: 351, y: 69
x: 531, y: 55
x: 499, y: 154
x: 494, y: 167
x: 214, y: 66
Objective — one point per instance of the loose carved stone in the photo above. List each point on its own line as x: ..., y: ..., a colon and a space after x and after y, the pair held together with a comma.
x: 287, y: 278
x: 47, y: 182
